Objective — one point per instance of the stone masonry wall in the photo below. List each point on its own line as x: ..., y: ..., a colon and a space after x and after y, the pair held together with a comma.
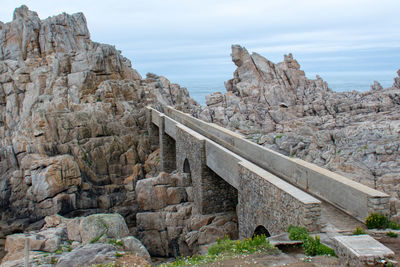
x: 264, y: 203
x: 211, y: 193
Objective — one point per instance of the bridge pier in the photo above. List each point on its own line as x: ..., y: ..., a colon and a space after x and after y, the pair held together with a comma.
x: 167, y: 149
x: 152, y: 130
x: 211, y: 193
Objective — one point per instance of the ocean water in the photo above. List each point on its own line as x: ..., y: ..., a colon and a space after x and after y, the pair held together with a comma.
x: 337, y: 81
x: 205, y: 73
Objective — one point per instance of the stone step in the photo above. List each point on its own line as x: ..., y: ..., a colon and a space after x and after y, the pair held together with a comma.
x: 361, y: 250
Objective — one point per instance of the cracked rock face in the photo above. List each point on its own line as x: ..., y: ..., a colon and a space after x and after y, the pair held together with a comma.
x: 72, y: 121
x: 353, y: 133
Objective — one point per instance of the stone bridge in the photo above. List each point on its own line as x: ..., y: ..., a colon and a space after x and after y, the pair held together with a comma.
x: 268, y: 190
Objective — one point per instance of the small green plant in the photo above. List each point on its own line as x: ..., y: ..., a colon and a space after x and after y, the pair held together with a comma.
x: 364, y: 147
x: 279, y: 136
x: 313, y: 246
x: 116, y: 242
x: 53, y: 260
x: 394, y: 225
x: 297, y: 233
x: 98, y: 99
x: 59, y: 251
x: 392, y: 234
x: 359, y: 231
x: 376, y: 220
x: 95, y: 239
x: 118, y: 255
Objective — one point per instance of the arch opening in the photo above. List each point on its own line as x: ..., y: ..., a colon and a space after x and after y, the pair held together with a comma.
x: 218, y: 195
x: 186, y: 170
x: 261, y: 230
x: 186, y: 166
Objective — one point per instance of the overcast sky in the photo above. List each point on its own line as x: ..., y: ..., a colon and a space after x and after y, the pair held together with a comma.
x: 191, y: 39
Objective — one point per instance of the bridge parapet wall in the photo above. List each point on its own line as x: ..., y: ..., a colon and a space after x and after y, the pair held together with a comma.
x: 266, y: 200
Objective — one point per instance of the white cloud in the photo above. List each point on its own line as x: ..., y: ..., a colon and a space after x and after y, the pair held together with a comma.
x: 167, y: 32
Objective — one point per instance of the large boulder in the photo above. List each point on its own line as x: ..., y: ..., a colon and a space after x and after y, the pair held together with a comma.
x: 88, y: 254
x: 134, y: 246
x: 97, y: 226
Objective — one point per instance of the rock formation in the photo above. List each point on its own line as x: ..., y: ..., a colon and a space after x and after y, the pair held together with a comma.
x: 95, y: 239
x: 352, y: 133
x: 72, y: 122
x: 166, y: 222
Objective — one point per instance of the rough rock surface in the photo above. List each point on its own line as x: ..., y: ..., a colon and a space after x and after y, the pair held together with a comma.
x: 51, y: 245
x: 352, y: 133
x: 72, y: 122
x: 167, y: 224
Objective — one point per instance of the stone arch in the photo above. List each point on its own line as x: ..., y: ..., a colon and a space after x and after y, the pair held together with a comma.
x: 261, y: 230
x: 186, y: 166
x: 186, y: 169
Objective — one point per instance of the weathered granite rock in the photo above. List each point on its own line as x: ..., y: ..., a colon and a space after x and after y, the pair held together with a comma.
x: 88, y: 254
x: 352, y: 133
x: 72, y: 122
x: 53, y: 245
x: 166, y: 223
x: 102, y: 226
x: 133, y: 245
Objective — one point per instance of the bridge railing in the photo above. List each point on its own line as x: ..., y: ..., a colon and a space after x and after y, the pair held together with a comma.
x: 354, y: 198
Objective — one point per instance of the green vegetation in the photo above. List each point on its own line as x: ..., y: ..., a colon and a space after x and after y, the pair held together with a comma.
x: 94, y: 240
x: 118, y: 255
x: 53, y: 260
x: 376, y: 220
x: 380, y: 221
x: 393, y: 225
x: 359, y: 231
x: 226, y: 248
x: 116, y: 242
x: 311, y: 246
x: 59, y: 251
x: 364, y: 147
x: 279, y: 136
x: 297, y: 232
x: 392, y: 234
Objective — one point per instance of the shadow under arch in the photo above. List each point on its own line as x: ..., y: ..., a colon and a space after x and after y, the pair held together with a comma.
x: 186, y: 169
x: 261, y: 230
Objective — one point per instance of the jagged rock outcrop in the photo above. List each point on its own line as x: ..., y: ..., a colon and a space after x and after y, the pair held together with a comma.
x: 167, y: 223
x: 352, y: 133
x: 72, y: 122
x: 56, y: 243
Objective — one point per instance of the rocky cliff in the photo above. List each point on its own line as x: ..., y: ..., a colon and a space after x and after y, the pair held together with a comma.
x: 72, y: 122
x: 354, y: 133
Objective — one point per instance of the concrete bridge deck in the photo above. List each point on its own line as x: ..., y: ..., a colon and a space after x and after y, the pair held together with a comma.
x: 266, y: 188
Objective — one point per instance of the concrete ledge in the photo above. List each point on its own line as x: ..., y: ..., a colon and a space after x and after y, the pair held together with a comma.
x: 223, y: 162
x: 361, y: 250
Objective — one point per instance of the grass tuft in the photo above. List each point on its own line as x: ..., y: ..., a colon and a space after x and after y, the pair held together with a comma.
x: 311, y: 246
x: 226, y: 248
x: 359, y: 231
